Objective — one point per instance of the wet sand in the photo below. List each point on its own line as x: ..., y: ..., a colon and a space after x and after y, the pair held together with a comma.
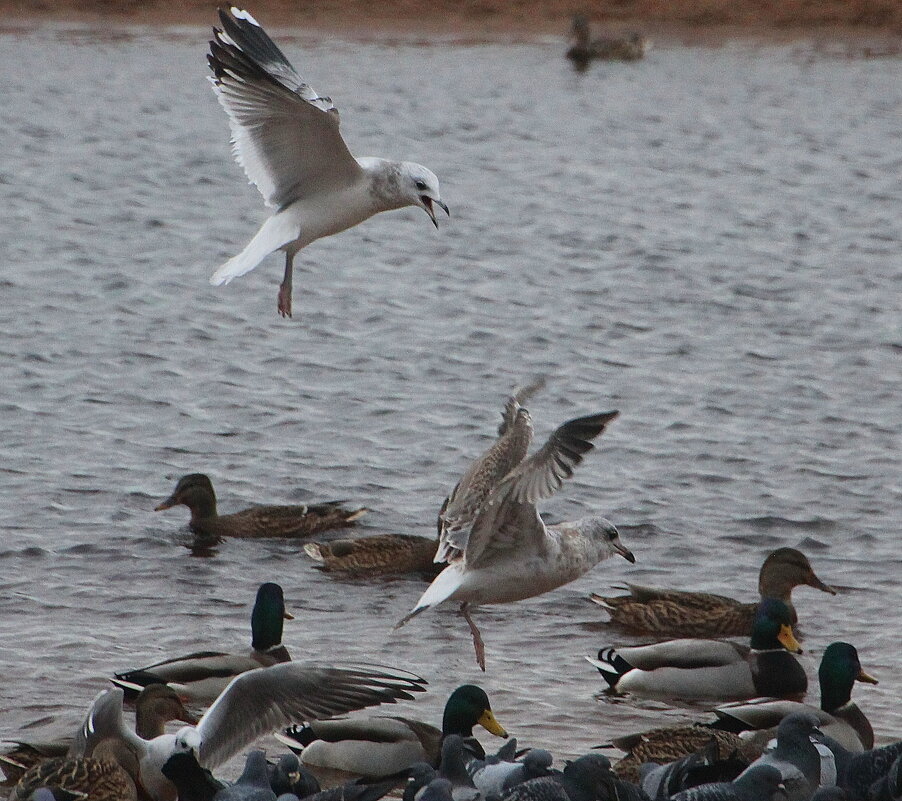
x: 510, y: 19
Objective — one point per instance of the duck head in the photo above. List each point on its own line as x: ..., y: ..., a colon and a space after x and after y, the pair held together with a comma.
x: 467, y: 707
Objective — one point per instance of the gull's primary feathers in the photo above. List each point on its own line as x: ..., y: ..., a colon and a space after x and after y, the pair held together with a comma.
x: 255, y: 703
x: 497, y: 547
x: 286, y: 138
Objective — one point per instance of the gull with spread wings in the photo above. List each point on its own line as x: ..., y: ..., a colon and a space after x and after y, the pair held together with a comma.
x: 286, y: 138
x: 496, y: 545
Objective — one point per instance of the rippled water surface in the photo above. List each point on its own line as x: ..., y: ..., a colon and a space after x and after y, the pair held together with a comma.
x: 708, y: 241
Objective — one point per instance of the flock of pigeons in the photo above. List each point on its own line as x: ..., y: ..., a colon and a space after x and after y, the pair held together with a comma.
x: 491, y: 538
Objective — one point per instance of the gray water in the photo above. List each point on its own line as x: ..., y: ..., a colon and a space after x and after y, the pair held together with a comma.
x: 708, y: 241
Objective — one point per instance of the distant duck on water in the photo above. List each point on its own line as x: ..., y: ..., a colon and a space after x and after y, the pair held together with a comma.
x: 196, y: 492
x: 584, y: 49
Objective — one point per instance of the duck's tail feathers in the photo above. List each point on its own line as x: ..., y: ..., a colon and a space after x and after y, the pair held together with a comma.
x: 610, y: 664
x: 275, y: 233
x: 312, y: 549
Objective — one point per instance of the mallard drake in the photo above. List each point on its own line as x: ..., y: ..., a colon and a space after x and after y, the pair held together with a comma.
x: 154, y: 707
x: 254, y: 703
x: 379, y: 746
x: 376, y: 556
x: 203, y: 675
x: 677, y: 613
x: 491, y: 531
x: 196, y: 492
x: 584, y: 49
x: 713, y: 669
x: 838, y: 716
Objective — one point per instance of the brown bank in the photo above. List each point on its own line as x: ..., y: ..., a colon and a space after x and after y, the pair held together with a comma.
x: 512, y: 19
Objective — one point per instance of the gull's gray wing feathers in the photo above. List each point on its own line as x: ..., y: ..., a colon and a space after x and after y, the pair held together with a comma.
x: 515, y: 401
x: 509, y: 518
x: 266, y: 699
x: 104, y: 719
x: 284, y: 135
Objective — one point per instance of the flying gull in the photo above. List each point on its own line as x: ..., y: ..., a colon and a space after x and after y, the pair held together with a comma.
x: 286, y: 138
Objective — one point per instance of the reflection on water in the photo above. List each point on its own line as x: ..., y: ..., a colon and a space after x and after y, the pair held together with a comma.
x: 707, y: 240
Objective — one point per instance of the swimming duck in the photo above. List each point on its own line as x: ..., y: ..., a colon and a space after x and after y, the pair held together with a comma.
x: 203, y: 675
x: 713, y: 669
x: 375, y: 556
x: 154, y: 707
x: 254, y: 703
x: 196, y: 492
x: 631, y: 47
x: 838, y: 716
x: 677, y: 613
x: 379, y: 746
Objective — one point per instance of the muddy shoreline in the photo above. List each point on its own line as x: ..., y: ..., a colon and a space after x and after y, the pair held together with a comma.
x: 714, y: 20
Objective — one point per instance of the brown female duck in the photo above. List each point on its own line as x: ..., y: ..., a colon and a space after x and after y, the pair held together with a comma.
x: 98, y: 778
x: 196, y: 492
x: 677, y: 613
x: 375, y: 556
x: 154, y: 707
x: 584, y: 49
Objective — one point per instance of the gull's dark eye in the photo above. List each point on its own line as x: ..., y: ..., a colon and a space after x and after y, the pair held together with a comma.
x: 420, y: 186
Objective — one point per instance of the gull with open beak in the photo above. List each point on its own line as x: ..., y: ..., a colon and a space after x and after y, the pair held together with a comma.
x: 286, y: 138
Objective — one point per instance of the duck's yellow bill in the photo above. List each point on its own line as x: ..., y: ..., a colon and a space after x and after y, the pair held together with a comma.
x: 787, y: 639
x: 866, y: 677
x: 491, y: 725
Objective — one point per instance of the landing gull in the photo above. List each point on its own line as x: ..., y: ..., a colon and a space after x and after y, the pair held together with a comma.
x: 497, y: 547
x: 286, y: 138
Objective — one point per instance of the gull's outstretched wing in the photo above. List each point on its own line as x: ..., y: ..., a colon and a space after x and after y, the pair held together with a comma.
x: 261, y: 701
x: 284, y: 135
x: 509, y: 519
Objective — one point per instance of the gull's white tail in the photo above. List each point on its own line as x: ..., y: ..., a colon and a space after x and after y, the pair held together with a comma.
x: 443, y: 586
x: 277, y: 231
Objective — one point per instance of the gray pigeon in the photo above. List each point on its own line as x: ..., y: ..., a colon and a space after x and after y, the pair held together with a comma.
x: 830, y: 794
x: 421, y: 774
x: 856, y: 773
x: 758, y: 783
x: 702, y: 767
x: 437, y: 790
x: 535, y: 764
x: 453, y: 767
x: 547, y: 788
x: 889, y: 787
x: 289, y: 776
x: 252, y: 785
x: 795, y: 756
x: 489, y: 774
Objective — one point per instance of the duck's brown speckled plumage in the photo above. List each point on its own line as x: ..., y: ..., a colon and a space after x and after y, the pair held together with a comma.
x: 196, y: 492
x: 667, y: 744
x: 377, y: 555
x: 154, y: 706
x: 100, y: 779
x: 679, y: 613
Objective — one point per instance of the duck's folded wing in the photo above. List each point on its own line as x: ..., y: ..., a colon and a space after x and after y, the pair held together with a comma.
x: 264, y: 700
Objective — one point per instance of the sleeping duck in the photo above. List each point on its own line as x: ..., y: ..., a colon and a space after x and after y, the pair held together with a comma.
x: 838, y: 716
x: 693, y: 669
x: 202, y: 676
x: 377, y: 555
x: 380, y: 746
x: 677, y: 613
x: 196, y: 492
x: 584, y: 49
